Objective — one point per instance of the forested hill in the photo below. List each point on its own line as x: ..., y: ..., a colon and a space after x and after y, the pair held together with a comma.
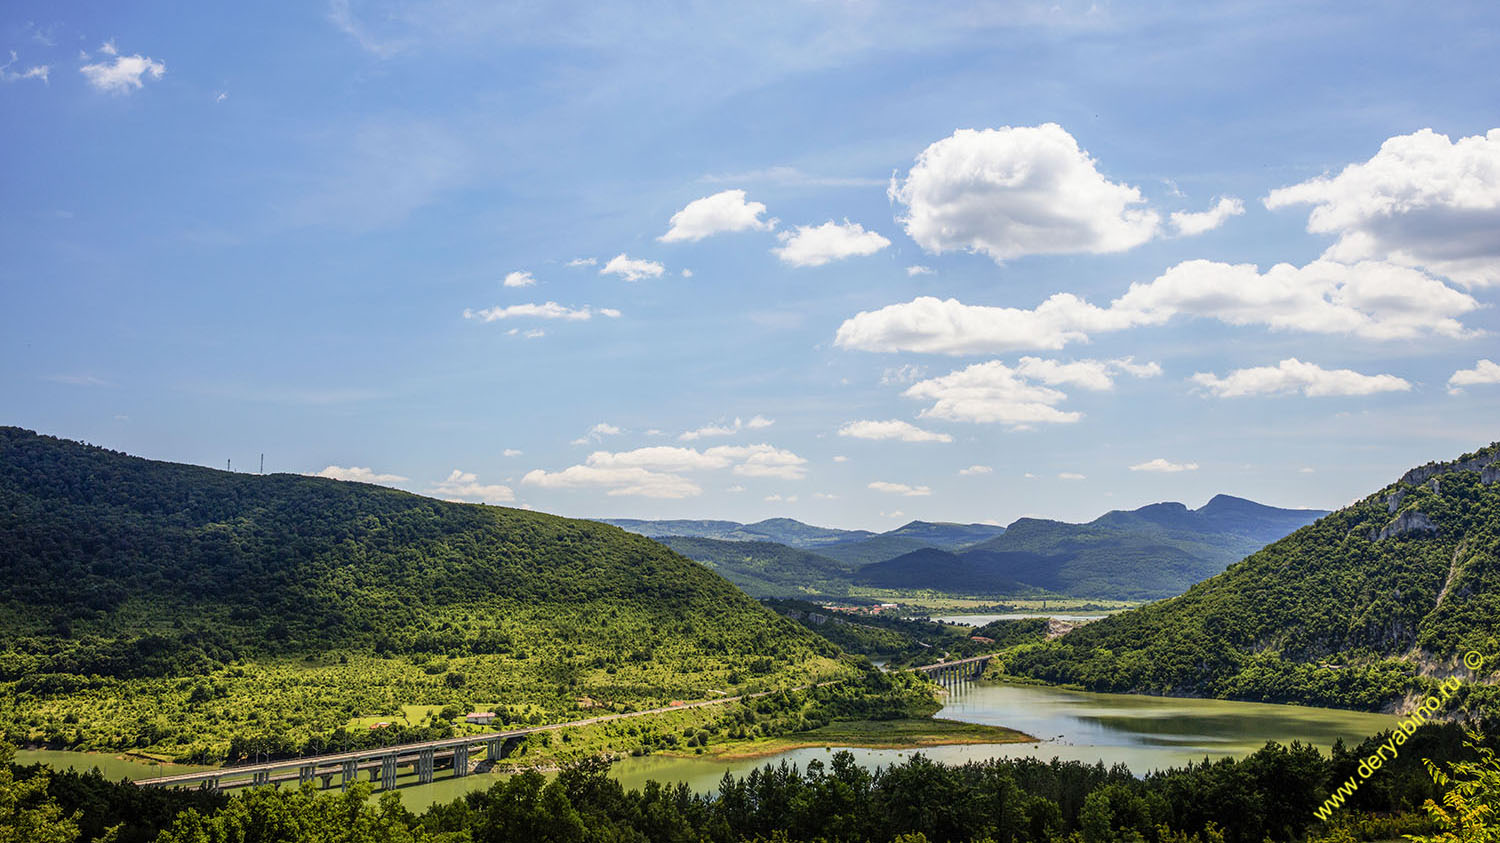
x: 1355, y: 610
x: 121, y: 568
x: 765, y: 569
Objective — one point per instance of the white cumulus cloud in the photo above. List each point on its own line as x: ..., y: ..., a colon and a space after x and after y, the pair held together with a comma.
x: 918, y: 269
x: 1071, y: 475
x: 465, y: 486
x: 518, y: 279
x: 359, y: 474
x: 900, y: 489
x: 976, y: 470
x: 638, y: 482
x: 598, y: 432
x: 549, y: 310
x: 1293, y: 375
x: 657, y: 471
x: 893, y: 429
x: 1163, y: 466
x: 1422, y: 200
x: 632, y: 269
x: 905, y: 373
x: 1371, y: 300
x: 122, y: 74
x: 727, y: 429
x: 36, y: 71
x: 722, y: 212
x: 1017, y: 191
x: 1190, y: 222
x: 1484, y: 372
x: 812, y: 245
x: 1022, y: 395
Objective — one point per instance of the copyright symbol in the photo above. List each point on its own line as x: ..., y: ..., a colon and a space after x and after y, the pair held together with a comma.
x: 1473, y: 660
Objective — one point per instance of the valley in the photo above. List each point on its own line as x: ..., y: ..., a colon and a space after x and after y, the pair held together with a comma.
x: 169, y: 637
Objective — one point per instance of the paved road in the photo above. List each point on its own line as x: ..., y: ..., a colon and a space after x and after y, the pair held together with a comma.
x: 337, y: 759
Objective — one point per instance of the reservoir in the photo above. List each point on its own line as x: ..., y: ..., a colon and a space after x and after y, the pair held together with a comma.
x: 1144, y: 733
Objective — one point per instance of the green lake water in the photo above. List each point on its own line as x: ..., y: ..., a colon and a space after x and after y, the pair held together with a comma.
x: 113, y: 766
x: 1144, y: 733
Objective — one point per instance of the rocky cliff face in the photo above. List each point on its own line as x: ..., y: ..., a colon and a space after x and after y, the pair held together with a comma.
x: 1483, y: 461
x: 1407, y: 523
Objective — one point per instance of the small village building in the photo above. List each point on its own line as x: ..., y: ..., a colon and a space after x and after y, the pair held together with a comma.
x: 483, y: 718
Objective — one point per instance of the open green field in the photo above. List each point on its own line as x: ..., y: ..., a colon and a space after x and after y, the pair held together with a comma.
x: 295, y: 705
x: 940, y: 603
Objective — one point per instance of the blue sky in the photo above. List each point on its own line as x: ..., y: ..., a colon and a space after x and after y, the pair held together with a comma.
x: 876, y: 261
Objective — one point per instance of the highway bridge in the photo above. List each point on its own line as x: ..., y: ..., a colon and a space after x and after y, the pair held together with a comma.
x: 956, y: 675
x: 384, y: 765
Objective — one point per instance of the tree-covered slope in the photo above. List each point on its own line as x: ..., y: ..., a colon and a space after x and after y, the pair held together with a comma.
x: 765, y: 569
x: 1155, y: 551
x: 233, y: 601
x: 1366, y: 605
x: 941, y: 570
x: 947, y: 535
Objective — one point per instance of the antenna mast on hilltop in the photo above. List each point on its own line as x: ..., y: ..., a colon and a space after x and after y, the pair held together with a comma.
x: 228, y: 463
x: 262, y: 463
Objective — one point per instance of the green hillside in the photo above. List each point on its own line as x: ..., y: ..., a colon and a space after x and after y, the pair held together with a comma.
x: 946, y: 534
x: 765, y: 569
x: 941, y: 570
x: 1151, y: 552
x: 856, y: 554
x: 1368, y: 604
x: 151, y: 604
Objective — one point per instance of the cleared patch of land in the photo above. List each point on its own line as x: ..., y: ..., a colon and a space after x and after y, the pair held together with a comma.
x: 940, y: 603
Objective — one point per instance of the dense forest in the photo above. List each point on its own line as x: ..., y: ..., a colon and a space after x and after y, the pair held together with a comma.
x: 766, y: 569
x: 151, y: 605
x: 1376, y: 601
x: 1269, y: 795
x: 906, y: 642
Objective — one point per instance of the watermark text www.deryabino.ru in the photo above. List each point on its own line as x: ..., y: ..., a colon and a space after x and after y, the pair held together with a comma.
x: 1367, y: 766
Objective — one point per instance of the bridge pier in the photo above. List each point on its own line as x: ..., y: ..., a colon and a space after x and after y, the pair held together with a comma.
x: 350, y: 774
x: 388, y: 772
x: 461, y: 760
x: 306, y: 773
x: 327, y: 779
x: 424, y: 766
x: 260, y: 777
x: 210, y: 784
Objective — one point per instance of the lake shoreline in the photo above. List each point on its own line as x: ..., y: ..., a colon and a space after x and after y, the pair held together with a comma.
x: 865, y: 734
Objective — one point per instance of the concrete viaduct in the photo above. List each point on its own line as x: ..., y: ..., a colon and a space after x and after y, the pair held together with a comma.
x: 384, y: 764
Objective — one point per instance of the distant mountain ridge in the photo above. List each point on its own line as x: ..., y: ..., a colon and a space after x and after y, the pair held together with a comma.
x: 1372, y: 603
x: 1155, y: 551
x: 794, y: 533
x: 787, y: 531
